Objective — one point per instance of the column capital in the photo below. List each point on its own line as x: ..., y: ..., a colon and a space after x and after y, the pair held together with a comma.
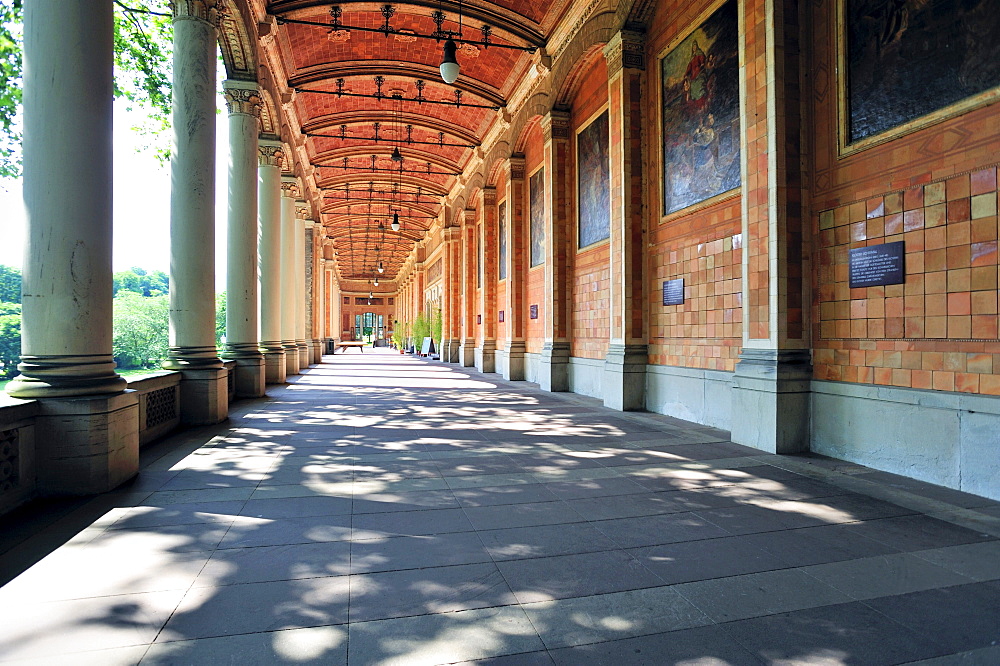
x: 555, y: 125
x: 206, y: 10
x: 490, y: 196
x: 470, y: 216
x: 242, y: 97
x: 270, y: 153
x: 625, y: 50
x: 452, y: 234
x: 515, y: 167
x: 290, y: 187
x: 301, y: 209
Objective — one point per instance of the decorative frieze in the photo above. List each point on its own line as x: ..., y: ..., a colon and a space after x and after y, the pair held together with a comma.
x: 490, y: 196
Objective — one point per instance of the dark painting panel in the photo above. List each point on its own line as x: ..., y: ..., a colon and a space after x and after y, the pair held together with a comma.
x: 502, y: 240
x: 909, y: 58
x: 594, y: 183
x: 536, y: 195
x: 701, y: 113
x: 479, y: 256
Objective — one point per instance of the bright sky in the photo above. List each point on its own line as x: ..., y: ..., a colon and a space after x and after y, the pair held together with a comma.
x: 141, y: 204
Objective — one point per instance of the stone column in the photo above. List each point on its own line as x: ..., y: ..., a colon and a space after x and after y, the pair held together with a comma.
x: 269, y: 217
x: 314, y: 283
x: 322, y: 308
x: 486, y: 354
x: 204, y: 387
x: 773, y: 376
x: 87, y: 434
x: 625, y: 364
x: 451, y: 297
x: 554, y: 370
x: 302, y: 226
x: 467, y: 349
x: 242, y: 317
x: 289, y: 227
x: 517, y: 268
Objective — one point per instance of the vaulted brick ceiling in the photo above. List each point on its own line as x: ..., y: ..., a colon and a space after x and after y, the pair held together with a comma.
x: 350, y: 139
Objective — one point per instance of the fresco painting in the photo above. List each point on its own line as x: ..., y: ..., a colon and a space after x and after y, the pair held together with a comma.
x: 701, y: 113
x: 594, y: 182
x: 536, y: 196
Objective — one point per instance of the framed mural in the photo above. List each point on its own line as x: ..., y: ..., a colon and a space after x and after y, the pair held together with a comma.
x: 700, y: 112
x: 912, y: 64
x: 593, y: 182
x: 502, y: 240
x: 536, y: 198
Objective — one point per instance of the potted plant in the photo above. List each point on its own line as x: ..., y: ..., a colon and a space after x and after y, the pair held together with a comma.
x: 399, y: 336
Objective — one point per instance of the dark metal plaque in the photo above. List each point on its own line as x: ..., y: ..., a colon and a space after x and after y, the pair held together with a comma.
x: 479, y: 319
x: 673, y: 292
x: 533, y: 311
x: 877, y: 265
x: 501, y: 315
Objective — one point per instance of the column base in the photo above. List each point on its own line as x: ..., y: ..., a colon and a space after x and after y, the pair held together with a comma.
x: 204, y: 396
x: 554, y: 367
x: 274, y: 364
x: 317, y: 350
x: 249, y: 371
x: 86, y: 445
x: 66, y: 377
x: 625, y: 377
x: 305, y: 354
x: 291, y: 358
x: 771, y: 400
x: 486, y: 356
x: 449, y: 351
x: 514, y: 370
x: 467, y: 353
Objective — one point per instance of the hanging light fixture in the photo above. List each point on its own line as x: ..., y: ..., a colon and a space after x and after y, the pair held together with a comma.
x: 381, y: 268
x: 449, y: 65
x: 376, y: 282
x: 396, y: 155
x: 395, y: 221
x: 370, y: 295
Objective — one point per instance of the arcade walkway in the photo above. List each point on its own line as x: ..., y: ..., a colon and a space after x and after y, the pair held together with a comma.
x: 383, y: 509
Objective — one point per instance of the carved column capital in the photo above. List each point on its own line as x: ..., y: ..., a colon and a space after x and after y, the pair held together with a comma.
x: 555, y: 125
x: 242, y: 97
x: 490, y: 196
x: 515, y: 167
x: 625, y: 50
x: 470, y: 216
x: 207, y: 10
x: 290, y: 187
x: 270, y: 153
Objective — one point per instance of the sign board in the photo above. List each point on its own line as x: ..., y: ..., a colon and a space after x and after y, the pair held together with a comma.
x: 877, y: 265
x: 673, y: 292
x: 533, y: 312
x: 427, y: 347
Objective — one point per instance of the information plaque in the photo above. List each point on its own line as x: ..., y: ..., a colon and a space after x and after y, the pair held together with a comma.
x: 479, y: 319
x: 673, y: 292
x: 533, y: 311
x: 877, y: 265
x: 501, y: 315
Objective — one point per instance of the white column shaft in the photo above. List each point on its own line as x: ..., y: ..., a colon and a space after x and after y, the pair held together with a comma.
x: 241, y: 266
x: 66, y: 325
x: 269, y: 216
x: 192, y: 197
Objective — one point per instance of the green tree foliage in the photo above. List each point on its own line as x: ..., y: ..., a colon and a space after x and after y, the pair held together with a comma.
x: 10, y: 339
x: 139, y: 281
x: 10, y: 284
x: 142, y: 33
x: 220, y: 318
x: 421, y: 329
x: 141, y: 327
x: 437, y: 326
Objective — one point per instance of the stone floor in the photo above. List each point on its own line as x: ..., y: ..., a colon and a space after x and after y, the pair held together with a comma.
x: 385, y: 509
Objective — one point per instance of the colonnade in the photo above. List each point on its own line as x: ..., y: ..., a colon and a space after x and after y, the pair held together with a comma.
x: 87, y: 429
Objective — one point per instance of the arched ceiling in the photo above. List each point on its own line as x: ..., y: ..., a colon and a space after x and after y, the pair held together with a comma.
x: 361, y: 92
